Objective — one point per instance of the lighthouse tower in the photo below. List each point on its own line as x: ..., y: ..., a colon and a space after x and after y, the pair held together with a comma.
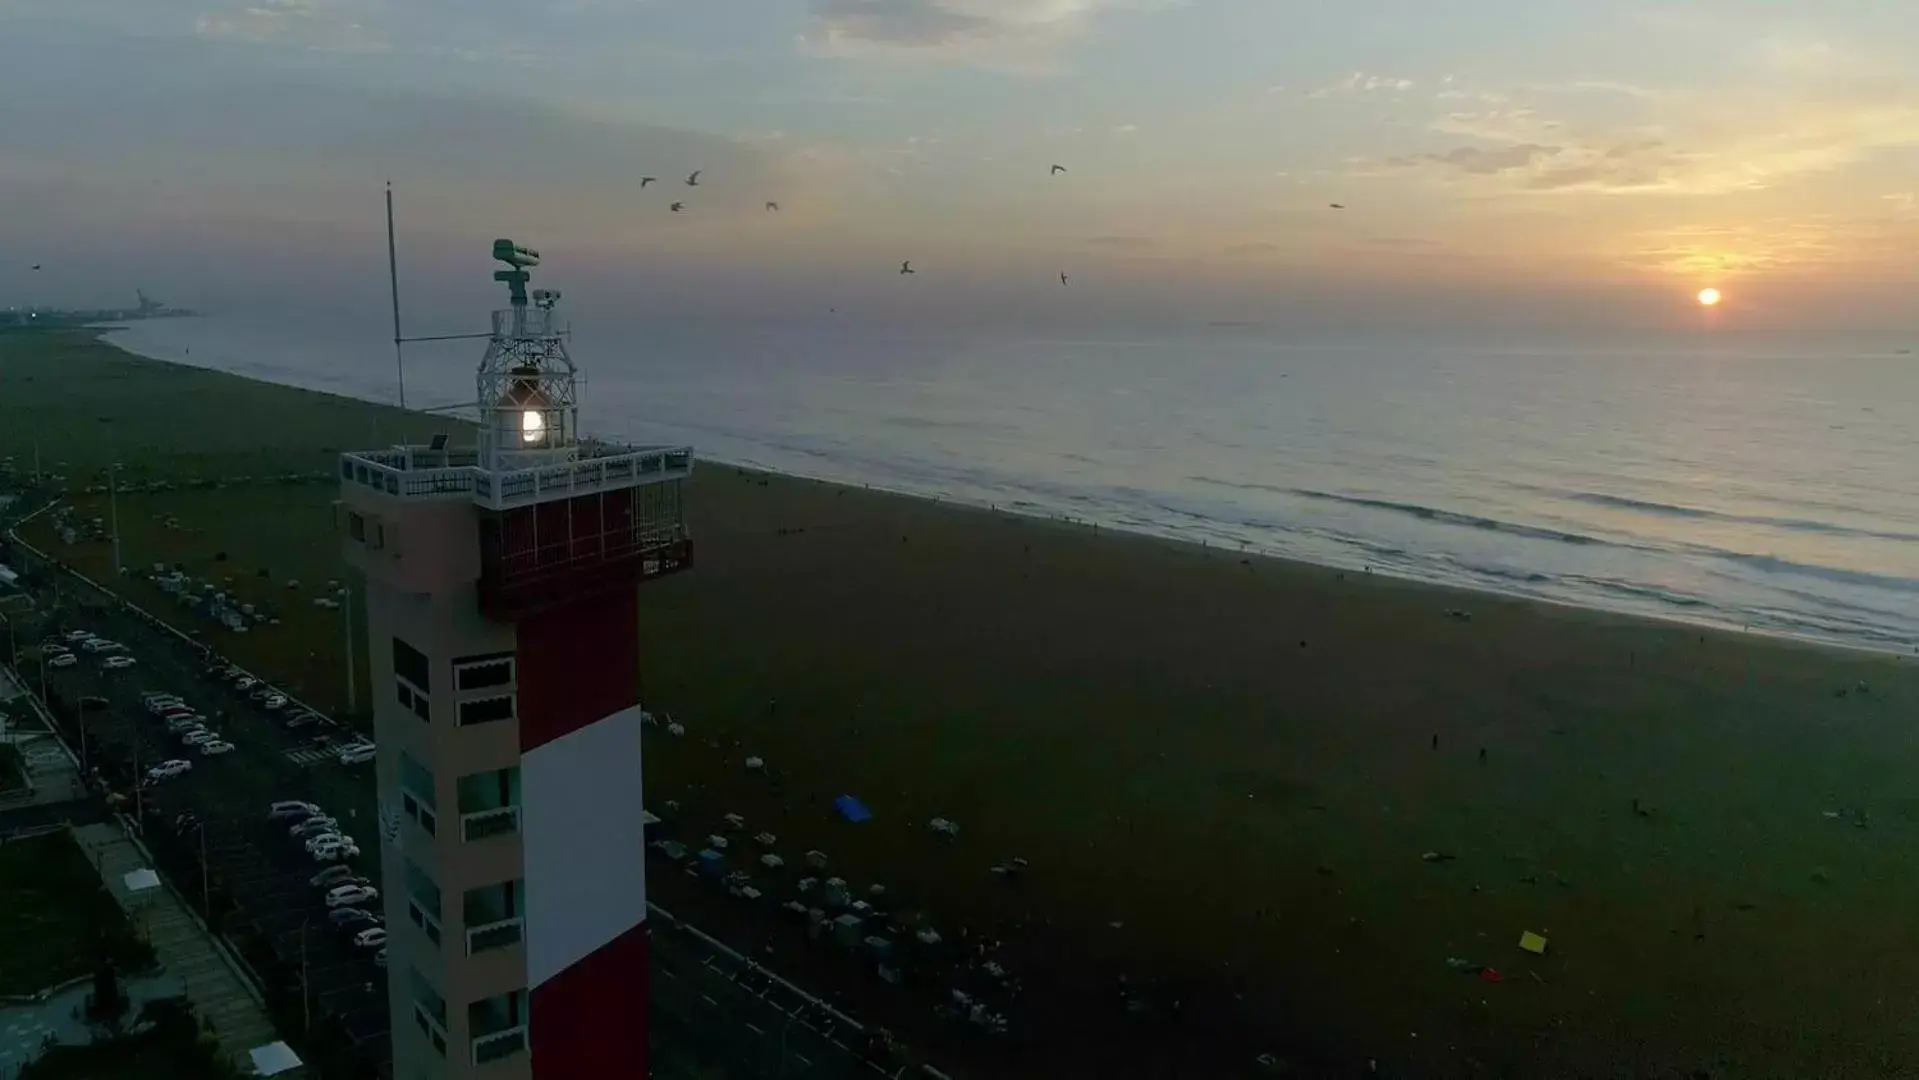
x: 501, y: 612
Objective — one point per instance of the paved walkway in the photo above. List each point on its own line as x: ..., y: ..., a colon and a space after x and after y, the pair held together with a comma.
x: 184, y: 949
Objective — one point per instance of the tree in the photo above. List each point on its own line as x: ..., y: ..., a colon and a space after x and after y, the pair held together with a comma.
x: 108, y: 1004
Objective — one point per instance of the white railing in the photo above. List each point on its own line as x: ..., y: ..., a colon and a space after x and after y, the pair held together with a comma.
x: 500, y: 1044
x: 524, y: 322
x: 401, y: 473
x: 494, y: 935
x: 482, y: 824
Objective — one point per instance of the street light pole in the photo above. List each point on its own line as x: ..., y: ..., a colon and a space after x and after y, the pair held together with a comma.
x: 346, y: 612
x: 306, y: 998
x: 206, y: 886
x: 113, y: 508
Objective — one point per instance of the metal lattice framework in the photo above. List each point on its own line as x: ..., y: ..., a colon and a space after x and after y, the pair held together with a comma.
x: 527, y: 382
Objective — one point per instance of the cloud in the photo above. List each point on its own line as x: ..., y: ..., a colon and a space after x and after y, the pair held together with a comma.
x: 326, y: 25
x: 1360, y: 82
x: 957, y: 31
x: 1252, y: 248
x: 1134, y: 243
x: 1479, y: 161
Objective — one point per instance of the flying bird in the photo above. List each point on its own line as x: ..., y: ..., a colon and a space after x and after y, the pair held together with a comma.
x: 677, y: 207
x: 1337, y: 206
x: 1062, y: 277
x: 693, y: 178
x: 1057, y: 169
x: 907, y: 267
x: 645, y: 180
x: 36, y: 266
x: 772, y: 206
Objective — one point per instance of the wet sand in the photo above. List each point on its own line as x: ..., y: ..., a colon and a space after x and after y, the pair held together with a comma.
x: 1232, y: 758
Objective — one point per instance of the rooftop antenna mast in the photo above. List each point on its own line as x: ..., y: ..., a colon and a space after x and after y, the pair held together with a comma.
x: 393, y: 282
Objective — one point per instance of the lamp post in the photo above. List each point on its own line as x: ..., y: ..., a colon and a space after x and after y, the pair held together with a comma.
x: 306, y: 997
x: 113, y: 492
x: 346, y: 613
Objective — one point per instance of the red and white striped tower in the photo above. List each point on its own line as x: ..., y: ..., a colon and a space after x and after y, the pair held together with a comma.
x: 502, y: 581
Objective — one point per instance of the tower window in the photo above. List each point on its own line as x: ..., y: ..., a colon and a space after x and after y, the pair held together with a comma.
x: 411, y: 664
x: 486, y: 710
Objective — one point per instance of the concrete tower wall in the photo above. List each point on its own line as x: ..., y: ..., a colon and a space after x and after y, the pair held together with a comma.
x: 586, y: 943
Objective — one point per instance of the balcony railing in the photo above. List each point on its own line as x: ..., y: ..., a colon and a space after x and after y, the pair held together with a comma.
x: 493, y: 935
x: 481, y: 824
x: 430, y: 1027
x: 500, y: 1044
x: 426, y: 922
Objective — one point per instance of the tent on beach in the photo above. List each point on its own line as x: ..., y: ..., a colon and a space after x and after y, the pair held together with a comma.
x: 852, y: 809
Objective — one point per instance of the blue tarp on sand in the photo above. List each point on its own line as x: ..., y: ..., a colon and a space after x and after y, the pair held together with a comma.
x: 852, y: 809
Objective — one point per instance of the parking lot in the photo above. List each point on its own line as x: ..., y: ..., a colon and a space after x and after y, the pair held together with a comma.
x: 219, y: 806
x: 708, y: 1010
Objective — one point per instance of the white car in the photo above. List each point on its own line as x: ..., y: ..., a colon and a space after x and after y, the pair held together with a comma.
x: 216, y: 747
x: 275, y: 702
x: 63, y: 660
x: 313, y: 826
x: 373, y: 937
x: 350, y: 895
x: 335, y: 876
x: 292, y: 808
x: 335, y: 852
x: 56, y: 650
x: 247, y: 682
x: 170, y: 767
x: 116, y: 663
x: 100, y: 644
x: 357, y: 754
x: 78, y: 635
x: 329, y: 839
x: 184, y: 722
x: 196, y: 736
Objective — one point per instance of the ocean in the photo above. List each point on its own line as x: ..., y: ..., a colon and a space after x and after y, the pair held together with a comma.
x: 1771, y: 490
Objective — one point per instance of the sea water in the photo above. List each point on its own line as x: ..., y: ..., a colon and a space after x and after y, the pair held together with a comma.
x: 1774, y: 489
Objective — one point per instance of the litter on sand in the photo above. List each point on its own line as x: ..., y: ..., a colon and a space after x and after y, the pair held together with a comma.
x: 1532, y: 943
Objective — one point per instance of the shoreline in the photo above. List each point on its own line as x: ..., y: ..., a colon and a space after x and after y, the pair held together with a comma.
x: 1162, y: 533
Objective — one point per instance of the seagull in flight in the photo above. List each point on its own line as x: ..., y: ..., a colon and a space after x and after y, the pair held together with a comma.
x: 645, y: 180
x: 1057, y: 169
x: 1337, y: 206
x: 36, y: 266
x: 677, y: 207
x: 772, y: 206
x: 907, y: 267
x: 1062, y: 277
x: 693, y: 178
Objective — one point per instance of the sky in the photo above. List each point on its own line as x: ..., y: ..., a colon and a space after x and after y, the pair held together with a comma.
x: 1525, y: 162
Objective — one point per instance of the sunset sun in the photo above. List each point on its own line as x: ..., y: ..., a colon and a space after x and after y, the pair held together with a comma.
x: 1708, y: 297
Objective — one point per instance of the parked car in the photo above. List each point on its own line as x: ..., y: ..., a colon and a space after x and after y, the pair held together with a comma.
x: 357, y: 754
x: 246, y: 682
x: 327, y: 839
x: 66, y: 660
x: 99, y: 645
x: 292, y: 808
x: 355, y: 917
x: 335, y: 876
x: 351, y: 895
x: 313, y: 826
x: 216, y: 747
x: 274, y: 702
x: 184, y: 723
x: 74, y: 636
x: 379, y: 958
x: 198, y: 737
x: 55, y: 650
x: 335, y: 852
x: 117, y: 663
x: 261, y: 692
x: 373, y: 937
x: 303, y: 719
x: 170, y: 767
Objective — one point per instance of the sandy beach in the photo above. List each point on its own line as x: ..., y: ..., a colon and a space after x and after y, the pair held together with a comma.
x: 1224, y: 771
